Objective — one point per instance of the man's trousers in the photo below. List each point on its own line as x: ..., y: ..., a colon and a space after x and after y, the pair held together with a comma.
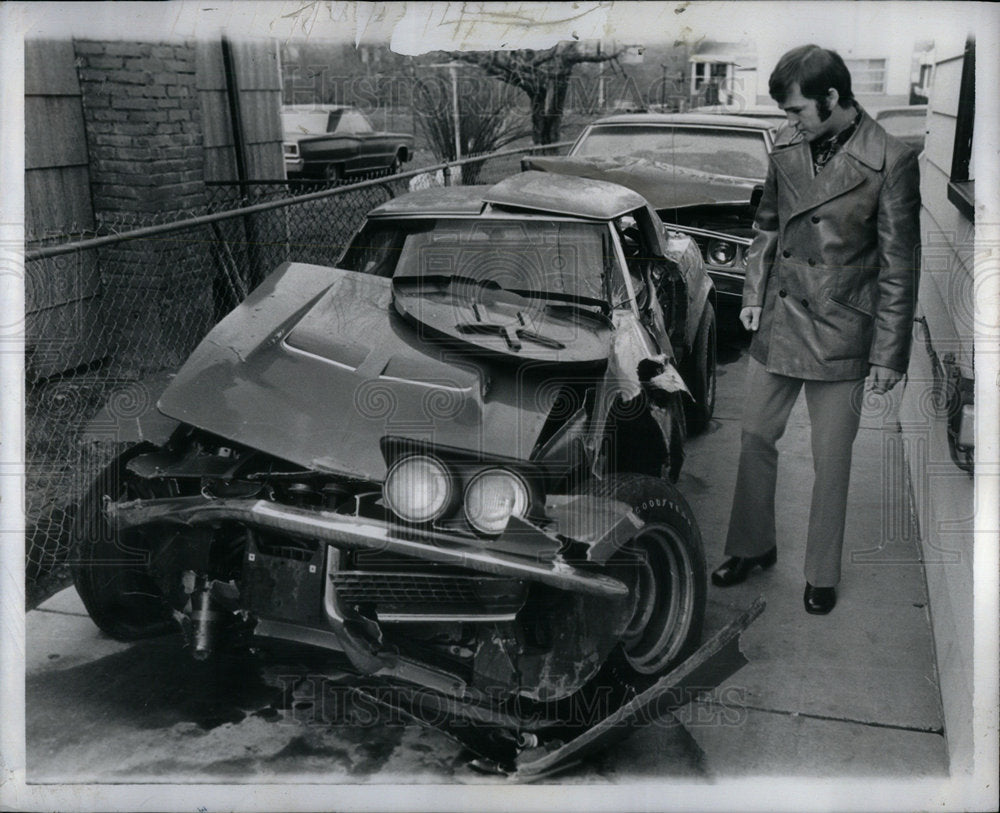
x: 834, y: 414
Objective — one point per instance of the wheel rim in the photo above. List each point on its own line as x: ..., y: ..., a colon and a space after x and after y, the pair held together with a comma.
x: 665, y: 600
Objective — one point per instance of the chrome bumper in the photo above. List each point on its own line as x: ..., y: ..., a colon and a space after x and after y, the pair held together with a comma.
x: 356, y: 533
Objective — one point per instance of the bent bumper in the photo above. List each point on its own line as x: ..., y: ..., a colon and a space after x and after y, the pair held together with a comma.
x: 356, y: 533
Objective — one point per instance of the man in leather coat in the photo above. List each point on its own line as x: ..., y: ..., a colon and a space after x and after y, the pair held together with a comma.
x: 830, y: 291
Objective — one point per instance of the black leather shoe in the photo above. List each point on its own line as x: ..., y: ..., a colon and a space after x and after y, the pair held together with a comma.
x: 736, y: 568
x: 819, y: 600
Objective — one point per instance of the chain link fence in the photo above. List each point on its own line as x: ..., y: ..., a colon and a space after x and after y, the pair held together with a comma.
x: 114, y: 311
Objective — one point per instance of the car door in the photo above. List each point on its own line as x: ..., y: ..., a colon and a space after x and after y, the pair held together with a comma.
x: 365, y: 156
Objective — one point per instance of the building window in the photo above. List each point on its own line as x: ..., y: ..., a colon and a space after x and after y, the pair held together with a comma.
x: 867, y: 75
x: 962, y: 183
x: 711, y: 82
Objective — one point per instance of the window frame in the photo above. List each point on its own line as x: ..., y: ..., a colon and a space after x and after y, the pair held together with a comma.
x: 857, y: 71
x: 962, y: 187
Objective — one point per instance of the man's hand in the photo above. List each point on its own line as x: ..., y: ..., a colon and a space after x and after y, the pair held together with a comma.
x: 750, y: 317
x: 884, y: 379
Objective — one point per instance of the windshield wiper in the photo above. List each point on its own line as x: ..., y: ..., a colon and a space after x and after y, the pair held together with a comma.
x: 449, y: 279
x: 513, y: 335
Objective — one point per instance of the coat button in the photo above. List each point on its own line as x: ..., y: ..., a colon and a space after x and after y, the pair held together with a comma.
x: 782, y: 293
x: 786, y: 253
x: 805, y: 303
x: 815, y: 218
x: 811, y: 261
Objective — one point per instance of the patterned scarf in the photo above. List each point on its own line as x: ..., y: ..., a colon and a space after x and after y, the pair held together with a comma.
x: 824, y: 150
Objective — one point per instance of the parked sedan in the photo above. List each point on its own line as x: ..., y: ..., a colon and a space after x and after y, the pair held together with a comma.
x: 908, y: 124
x: 703, y: 174
x: 334, y: 141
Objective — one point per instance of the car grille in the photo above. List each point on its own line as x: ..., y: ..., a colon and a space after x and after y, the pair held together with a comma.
x: 417, y: 596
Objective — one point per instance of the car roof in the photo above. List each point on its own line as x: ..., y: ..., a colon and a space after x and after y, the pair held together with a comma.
x: 695, y: 119
x: 314, y: 108
x: 533, y: 191
x: 915, y: 109
x: 761, y: 111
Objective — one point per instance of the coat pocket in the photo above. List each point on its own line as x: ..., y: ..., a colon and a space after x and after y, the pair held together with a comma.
x: 837, y: 300
x: 845, y: 330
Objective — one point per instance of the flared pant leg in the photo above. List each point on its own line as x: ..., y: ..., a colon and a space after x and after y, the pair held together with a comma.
x: 769, y: 400
x: 833, y: 416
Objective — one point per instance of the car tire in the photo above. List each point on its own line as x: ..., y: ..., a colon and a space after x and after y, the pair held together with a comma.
x: 110, y: 577
x: 396, y: 165
x: 664, y: 563
x: 700, y: 373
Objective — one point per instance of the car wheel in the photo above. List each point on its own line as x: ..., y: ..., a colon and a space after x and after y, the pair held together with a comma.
x: 701, y: 373
x: 396, y: 165
x: 664, y: 564
x: 109, y: 574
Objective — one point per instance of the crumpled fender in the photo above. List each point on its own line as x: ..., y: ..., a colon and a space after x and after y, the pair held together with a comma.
x: 130, y: 415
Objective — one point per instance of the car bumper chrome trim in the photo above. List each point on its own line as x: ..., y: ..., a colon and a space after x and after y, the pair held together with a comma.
x: 360, y: 533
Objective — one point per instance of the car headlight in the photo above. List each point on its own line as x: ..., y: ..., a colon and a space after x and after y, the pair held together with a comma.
x: 492, y: 497
x: 418, y: 488
x: 721, y: 252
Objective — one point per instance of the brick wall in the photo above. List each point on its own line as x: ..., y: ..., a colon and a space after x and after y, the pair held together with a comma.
x: 145, y: 140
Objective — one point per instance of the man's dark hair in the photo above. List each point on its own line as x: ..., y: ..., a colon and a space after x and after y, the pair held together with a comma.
x: 815, y: 70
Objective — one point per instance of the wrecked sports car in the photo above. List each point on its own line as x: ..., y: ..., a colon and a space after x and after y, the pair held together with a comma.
x: 447, y: 459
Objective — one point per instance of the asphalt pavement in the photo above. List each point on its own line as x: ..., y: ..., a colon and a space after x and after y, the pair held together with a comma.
x: 853, y: 693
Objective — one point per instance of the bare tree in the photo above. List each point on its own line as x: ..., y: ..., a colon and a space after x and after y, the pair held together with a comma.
x: 543, y: 75
x: 487, y: 120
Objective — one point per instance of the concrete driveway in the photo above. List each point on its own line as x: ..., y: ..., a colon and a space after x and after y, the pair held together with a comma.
x: 853, y: 693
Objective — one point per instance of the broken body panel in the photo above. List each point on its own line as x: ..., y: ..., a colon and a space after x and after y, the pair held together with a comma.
x: 345, y: 440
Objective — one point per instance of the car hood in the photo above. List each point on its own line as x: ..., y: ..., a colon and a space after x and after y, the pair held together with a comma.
x: 665, y: 186
x: 317, y: 365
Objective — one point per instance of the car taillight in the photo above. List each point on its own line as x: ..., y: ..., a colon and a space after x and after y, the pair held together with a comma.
x: 492, y: 497
x: 418, y: 488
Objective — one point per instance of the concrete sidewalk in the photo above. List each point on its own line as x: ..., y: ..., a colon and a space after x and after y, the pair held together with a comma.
x: 853, y: 693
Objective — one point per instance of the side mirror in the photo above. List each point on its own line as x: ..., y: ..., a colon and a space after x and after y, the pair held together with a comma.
x: 756, y: 195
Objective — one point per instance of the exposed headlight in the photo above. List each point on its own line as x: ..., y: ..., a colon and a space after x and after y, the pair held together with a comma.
x: 492, y: 496
x: 721, y: 252
x: 418, y: 488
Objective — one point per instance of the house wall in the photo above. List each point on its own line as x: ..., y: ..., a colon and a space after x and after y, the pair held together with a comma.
x: 860, y: 31
x: 121, y: 135
x: 942, y: 493
x: 146, y: 150
x: 62, y: 294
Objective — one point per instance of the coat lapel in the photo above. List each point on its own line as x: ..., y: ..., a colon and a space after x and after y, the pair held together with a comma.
x: 807, y: 191
x: 794, y: 163
x: 838, y: 176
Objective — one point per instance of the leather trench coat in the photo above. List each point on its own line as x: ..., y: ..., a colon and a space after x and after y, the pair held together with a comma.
x: 835, y: 258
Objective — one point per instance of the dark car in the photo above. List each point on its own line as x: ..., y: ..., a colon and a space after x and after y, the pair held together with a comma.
x: 702, y: 172
x: 441, y: 459
x: 908, y: 124
x: 335, y: 141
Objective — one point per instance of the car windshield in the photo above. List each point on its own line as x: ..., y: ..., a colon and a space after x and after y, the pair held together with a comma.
x: 309, y: 122
x: 721, y: 152
x: 562, y: 258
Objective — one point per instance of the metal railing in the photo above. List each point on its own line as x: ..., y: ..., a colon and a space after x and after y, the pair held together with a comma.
x: 127, y: 304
